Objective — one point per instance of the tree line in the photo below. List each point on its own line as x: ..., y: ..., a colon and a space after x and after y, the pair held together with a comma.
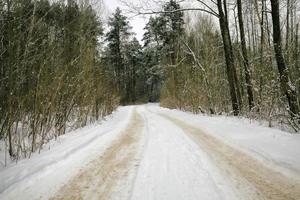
x: 133, y: 67
x: 230, y: 56
x: 51, y: 74
x: 59, y: 69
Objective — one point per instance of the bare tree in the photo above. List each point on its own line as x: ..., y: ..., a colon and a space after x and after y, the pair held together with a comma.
x: 245, y: 56
x: 286, y: 86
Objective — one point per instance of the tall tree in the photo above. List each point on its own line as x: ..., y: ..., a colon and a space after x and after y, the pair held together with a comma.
x: 172, y: 29
x: 286, y: 85
x: 117, y: 36
x: 229, y: 58
x: 245, y: 56
x: 133, y: 61
x: 152, y: 55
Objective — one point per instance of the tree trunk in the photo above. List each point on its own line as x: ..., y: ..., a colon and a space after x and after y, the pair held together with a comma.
x: 245, y: 56
x: 297, y: 61
x: 230, y: 68
x: 286, y: 86
x: 10, y: 149
x: 262, y: 42
x: 287, y: 24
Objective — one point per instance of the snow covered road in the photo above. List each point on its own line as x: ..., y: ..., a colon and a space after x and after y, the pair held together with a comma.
x: 173, y: 167
x: 159, y: 154
x: 101, y: 177
x: 245, y: 172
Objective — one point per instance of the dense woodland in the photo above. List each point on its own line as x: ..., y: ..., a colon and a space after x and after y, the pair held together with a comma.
x: 236, y: 57
x: 51, y: 72
x: 60, y: 68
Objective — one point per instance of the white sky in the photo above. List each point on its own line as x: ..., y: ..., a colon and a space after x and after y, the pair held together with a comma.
x: 138, y: 22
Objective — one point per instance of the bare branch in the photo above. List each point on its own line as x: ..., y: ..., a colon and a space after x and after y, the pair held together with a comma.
x: 196, y: 60
x: 179, y: 10
x: 207, y: 6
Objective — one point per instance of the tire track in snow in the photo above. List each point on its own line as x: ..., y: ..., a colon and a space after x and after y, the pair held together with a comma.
x: 174, y: 168
x: 242, y: 169
x: 102, y: 175
x: 142, y: 152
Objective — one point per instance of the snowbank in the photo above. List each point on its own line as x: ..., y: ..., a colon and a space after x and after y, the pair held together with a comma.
x: 278, y: 149
x: 44, y: 173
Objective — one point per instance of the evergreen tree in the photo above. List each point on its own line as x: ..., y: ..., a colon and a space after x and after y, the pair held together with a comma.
x: 117, y: 37
x: 172, y: 29
x: 153, y: 32
x: 133, y: 61
x: 152, y: 56
x: 154, y: 73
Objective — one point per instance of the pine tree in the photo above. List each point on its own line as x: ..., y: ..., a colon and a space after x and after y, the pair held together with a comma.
x: 133, y: 61
x: 117, y: 36
x: 172, y: 23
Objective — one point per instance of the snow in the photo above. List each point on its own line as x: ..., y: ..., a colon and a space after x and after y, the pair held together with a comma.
x: 171, y: 165
x: 277, y: 149
x: 44, y: 173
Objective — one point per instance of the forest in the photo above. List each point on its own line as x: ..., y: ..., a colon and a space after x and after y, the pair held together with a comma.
x: 63, y: 66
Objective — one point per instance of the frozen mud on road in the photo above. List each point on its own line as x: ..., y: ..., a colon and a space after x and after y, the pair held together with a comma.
x: 99, y: 179
x: 248, y: 174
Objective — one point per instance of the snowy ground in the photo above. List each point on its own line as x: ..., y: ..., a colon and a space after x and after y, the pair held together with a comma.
x: 148, y: 152
x: 44, y: 173
x: 278, y: 149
